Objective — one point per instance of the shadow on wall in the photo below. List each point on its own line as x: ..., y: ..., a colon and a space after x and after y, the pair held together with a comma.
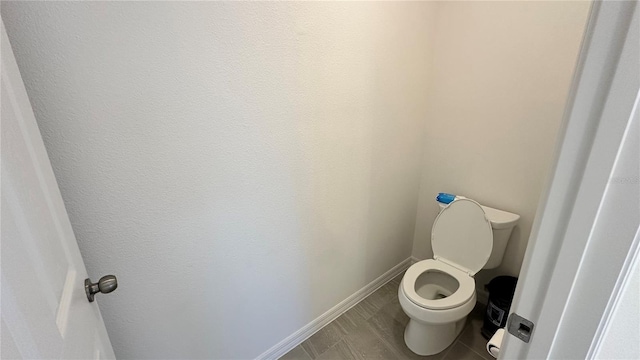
x: 496, y: 103
x: 262, y: 158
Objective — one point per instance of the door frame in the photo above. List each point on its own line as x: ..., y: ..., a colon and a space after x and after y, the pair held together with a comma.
x: 562, y: 250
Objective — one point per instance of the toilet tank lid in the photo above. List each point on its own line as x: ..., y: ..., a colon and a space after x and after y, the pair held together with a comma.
x: 500, y: 219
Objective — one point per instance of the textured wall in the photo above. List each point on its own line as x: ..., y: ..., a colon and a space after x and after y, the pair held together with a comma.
x: 242, y: 167
x: 502, y: 72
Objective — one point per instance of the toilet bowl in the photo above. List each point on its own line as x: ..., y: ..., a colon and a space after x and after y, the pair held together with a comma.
x: 438, y: 294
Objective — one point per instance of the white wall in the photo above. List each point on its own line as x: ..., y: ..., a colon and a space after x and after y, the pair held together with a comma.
x: 241, y: 167
x: 501, y: 74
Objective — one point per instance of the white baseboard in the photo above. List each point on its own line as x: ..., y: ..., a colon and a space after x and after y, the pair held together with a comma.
x: 311, y: 328
x: 414, y: 260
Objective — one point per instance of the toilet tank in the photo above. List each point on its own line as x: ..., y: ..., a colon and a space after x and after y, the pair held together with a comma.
x: 502, y: 224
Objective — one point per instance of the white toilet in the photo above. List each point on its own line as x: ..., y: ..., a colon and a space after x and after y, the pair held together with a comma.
x: 438, y: 294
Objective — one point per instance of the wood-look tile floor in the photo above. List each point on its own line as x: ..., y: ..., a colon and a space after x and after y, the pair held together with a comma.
x: 374, y: 329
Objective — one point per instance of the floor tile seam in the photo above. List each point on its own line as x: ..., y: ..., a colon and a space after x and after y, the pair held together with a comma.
x: 389, y: 344
x: 331, y: 347
x: 341, y: 334
x: 305, y: 351
x: 470, y: 346
x: 352, y: 306
x: 338, y: 330
x: 353, y: 349
x: 473, y: 350
x: 341, y: 337
x: 320, y: 353
x: 448, y: 350
x: 308, y: 353
x: 309, y: 343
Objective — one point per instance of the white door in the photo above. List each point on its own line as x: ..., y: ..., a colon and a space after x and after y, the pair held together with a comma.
x: 582, y: 243
x: 45, y: 311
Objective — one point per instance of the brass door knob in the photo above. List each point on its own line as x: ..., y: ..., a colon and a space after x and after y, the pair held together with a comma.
x: 105, y: 285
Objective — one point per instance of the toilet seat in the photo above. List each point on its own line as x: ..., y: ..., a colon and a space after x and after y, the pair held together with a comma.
x: 465, y: 291
x: 462, y: 241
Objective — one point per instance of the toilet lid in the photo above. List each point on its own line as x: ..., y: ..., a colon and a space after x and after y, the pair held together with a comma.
x: 462, y: 236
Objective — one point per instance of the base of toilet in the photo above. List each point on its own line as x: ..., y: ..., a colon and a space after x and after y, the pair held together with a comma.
x: 430, y: 339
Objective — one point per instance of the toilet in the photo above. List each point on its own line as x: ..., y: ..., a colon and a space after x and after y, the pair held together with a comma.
x: 437, y: 294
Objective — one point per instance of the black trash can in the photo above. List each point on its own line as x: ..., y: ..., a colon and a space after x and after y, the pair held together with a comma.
x: 501, y: 290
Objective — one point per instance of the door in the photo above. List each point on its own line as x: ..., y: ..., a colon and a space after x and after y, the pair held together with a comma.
x: 582, y: 243
x: 44, y: 309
